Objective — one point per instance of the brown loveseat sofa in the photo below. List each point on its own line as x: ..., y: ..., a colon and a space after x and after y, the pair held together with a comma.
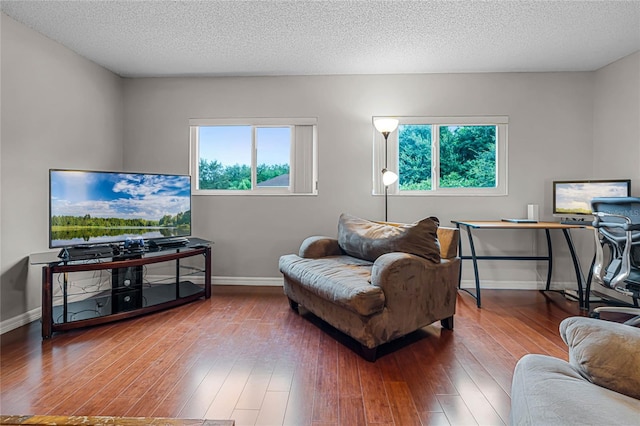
x: 377, y: 281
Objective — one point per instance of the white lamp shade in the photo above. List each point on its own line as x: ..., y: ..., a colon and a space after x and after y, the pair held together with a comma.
x: 388, y: 177
x: 385, y: 125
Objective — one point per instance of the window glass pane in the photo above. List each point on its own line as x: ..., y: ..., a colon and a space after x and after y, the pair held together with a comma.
x: 414, y: 157
x: 468, y: 156
x: 273, y: 156
x: 225, y: 157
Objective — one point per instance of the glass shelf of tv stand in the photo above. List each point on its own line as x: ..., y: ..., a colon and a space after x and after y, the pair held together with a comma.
x: 90, y: 292
x: 98, y: 295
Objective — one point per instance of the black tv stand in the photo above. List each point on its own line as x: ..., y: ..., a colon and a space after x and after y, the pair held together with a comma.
x: 122, y: 286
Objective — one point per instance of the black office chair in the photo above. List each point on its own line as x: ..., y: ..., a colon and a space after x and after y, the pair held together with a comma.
x: 617, y: 224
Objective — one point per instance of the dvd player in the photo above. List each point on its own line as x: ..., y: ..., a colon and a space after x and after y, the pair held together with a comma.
x: 85, y: 252
x: 168, y: 242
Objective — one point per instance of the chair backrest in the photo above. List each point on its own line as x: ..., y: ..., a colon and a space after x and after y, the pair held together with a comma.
x: 617, y: 224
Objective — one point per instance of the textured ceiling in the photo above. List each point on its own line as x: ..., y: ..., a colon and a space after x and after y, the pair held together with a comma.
x: 189, y: 38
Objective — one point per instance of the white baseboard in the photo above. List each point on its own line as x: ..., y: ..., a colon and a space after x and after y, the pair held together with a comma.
x: 515, y: 285
x: 20, y: 320
x: 572, y: 294
x: 244, y: 281
x: 248, y: 281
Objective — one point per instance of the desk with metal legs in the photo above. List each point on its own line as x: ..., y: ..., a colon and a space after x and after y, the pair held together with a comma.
x: 468, y: 225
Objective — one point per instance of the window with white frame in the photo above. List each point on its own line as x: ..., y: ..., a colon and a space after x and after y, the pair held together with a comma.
x: 258, y: 156
x: 444, y: 156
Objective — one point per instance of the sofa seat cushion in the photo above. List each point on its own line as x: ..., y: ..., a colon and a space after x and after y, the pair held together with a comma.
x: 343, y: 280
x: 369, y: 240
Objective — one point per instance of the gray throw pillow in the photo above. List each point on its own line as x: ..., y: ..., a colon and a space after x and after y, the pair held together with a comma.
x: 368, y: 240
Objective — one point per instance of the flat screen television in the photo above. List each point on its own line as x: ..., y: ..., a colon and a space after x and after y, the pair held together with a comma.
x: 97, y: 207
x: 572, y: 198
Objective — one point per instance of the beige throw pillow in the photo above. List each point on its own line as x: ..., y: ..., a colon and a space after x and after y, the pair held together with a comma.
x: 606, y: 353
x: 368, y: 240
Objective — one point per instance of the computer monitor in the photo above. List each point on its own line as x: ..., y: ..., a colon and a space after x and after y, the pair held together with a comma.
x: 572, y: 198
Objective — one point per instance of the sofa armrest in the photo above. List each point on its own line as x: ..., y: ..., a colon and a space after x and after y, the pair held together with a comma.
x: 415, y: 286
x: 448, y: 238
x: 318, y: 246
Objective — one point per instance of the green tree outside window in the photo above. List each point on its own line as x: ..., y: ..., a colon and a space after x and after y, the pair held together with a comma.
x: 467, y: 156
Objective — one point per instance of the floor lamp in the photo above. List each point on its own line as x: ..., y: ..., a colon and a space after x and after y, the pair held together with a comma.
x: 386, y: 126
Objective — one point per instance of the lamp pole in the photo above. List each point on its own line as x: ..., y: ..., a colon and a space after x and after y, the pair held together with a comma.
x: 386, y: 187
x: 385, y: 126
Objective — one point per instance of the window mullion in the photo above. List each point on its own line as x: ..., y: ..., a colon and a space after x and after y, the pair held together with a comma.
x: 435, y: 157
x: 254, y: 158
x: 292, y: 157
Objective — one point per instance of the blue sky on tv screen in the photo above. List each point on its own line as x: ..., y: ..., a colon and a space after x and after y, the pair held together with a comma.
x: 121, y: 195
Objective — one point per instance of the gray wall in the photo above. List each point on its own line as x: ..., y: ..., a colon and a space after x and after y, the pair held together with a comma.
x: 59, y: 110
x: 550, y: 137
x: 616, y: 124
x: 616, y: 121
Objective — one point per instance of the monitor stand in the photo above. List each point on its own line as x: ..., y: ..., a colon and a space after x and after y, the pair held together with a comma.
x: 580, y: 221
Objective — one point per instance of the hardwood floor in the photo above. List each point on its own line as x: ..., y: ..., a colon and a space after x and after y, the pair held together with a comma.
x: 245, y: 355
